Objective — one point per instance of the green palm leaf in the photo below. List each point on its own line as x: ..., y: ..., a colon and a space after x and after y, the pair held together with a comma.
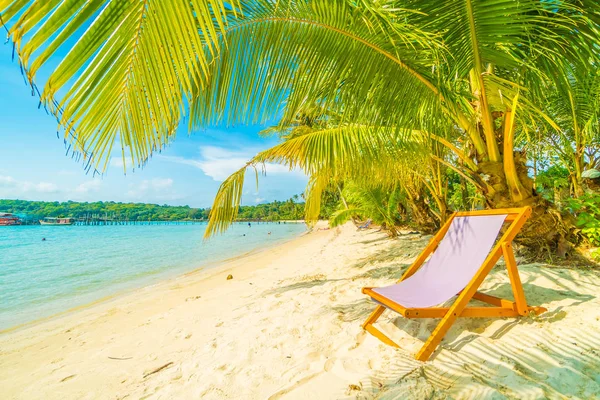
x: 338, y: 153
x: 361, y: 63
x: 130, y: 72
x: 340, y: 217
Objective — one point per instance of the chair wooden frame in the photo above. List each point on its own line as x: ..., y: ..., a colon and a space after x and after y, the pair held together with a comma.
x: 501, y: 308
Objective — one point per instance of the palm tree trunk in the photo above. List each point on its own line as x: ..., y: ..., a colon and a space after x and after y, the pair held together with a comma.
x: 342, y: 196
x: 576, y: 177
x: 511, y: 186
x: 353, y: 218
x: 547, y: 228
x: 420, y: 212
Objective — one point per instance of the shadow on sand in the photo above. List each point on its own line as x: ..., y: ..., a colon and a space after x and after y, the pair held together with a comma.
x: 541, y: 362
x: 529, y: 357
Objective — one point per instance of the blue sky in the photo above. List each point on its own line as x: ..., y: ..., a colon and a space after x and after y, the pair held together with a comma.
x: 33, y: 164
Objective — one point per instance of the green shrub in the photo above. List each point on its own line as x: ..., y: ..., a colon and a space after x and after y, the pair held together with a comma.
x: 587, y: 210
x: 553, y: 178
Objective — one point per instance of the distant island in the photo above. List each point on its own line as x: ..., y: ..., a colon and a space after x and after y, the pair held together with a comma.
x: 291, y: 209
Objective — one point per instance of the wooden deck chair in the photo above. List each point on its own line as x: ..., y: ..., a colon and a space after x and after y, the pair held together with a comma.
x: 460, y: 260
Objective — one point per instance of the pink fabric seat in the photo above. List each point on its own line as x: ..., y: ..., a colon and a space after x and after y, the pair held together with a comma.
x: 452, y: 265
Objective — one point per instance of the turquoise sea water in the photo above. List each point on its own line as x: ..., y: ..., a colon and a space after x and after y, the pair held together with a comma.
x: 76, y: 265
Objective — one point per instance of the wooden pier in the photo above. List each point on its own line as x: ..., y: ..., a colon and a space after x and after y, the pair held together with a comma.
x: 107, y: 219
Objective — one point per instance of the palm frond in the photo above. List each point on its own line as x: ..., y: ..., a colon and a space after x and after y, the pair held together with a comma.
x: 340, y: 217
x: 364, y: 64
x: 312, y: 195
x: 131, y: 70
x: 334, y: 153
x: 226, y: 204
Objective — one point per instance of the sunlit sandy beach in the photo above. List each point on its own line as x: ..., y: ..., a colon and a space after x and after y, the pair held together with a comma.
x: 300, y: 199
x: 288, y: 325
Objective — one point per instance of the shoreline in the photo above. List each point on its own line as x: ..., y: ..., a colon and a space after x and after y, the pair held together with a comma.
x: 213, y: 266
x: 288, y: 326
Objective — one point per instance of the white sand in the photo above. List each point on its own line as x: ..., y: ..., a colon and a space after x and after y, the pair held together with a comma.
x: 289, y: 326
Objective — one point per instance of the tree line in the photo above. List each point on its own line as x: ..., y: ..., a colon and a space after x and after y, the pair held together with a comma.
x: 291, y: 209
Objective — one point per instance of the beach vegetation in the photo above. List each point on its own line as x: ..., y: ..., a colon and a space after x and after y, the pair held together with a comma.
x: 587, y: 209
x: 377, y: 204
x: 449, y: 104
x: 487, y: 84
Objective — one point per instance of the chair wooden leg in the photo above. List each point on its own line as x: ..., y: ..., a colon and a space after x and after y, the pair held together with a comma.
x: 374, y: 316
x: 381, y: 336
x: 515, y: 279
x: 368, y: 326
x: 436, y: 337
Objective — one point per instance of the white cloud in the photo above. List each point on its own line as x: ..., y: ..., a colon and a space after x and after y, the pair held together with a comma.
x: 158, y: 188
x: 14, y: 188
x: 7, y: 180
x: 89, y: 186
x: 120, y: 160
x: 159, y: 183
x: 45, y: 187
x: 182, y: 160
x: 10, y: 187
x: 258, y: 200
x: 218, y: 163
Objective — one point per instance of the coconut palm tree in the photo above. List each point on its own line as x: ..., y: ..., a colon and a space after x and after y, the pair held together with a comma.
x: 483, y: 68
x: 415, y: 65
